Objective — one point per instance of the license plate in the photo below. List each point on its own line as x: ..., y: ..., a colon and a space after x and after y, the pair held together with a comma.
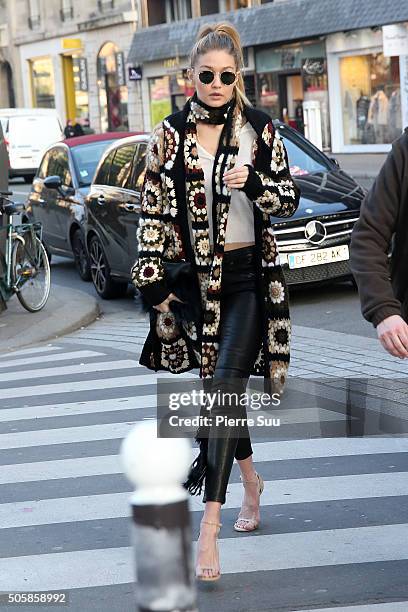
x: 304, y: 259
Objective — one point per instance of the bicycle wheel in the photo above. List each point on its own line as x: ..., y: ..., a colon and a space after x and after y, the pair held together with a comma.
x: 31, y: 273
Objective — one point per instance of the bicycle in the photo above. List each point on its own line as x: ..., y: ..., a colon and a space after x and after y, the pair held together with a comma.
x: 24, y: 265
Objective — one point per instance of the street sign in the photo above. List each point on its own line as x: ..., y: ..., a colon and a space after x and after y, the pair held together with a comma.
x: 395, y: 39
x: 120, y: 69
x: 135, y: 73
x: 71, y: 43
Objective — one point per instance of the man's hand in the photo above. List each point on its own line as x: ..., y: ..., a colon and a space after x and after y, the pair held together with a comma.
x: 393, y: 335
x: 165, y: 305
x: 236, y: 177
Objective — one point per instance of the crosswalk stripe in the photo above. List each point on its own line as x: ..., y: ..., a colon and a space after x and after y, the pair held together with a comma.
x: 29, y: 351
x: 59, y: 571
x: 65, y: 435
x: 276, y: 492
x: 81, y: 368
x: 313, y: 416
x: 53, y: 358
x: 88, y: 385
x: 395, y: 606
x: 263, y: 452
x: 74, y: 408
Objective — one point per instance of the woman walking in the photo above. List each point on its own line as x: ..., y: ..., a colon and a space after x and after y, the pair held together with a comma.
x: 215, y: 161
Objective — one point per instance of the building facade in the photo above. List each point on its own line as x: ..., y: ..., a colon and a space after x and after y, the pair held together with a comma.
x: 317, y: 65
x: 320, y: 66
x: 72, y: 57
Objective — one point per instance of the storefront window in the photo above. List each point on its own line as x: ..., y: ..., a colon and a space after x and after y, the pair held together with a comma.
x: 168, y: 94
x: 268, y: 92
x: 113, y: 92
x: 80, y: 77
x: 42, y: 75
x: 160, y: 103
x: 371, y: 99
x: 288, y: 77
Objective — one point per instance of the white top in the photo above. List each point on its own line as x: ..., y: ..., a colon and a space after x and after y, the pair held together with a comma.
x: 240, y: 222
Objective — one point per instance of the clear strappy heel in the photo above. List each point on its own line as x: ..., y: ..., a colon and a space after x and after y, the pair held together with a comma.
x: 201, y: 568
x: 250, y: 524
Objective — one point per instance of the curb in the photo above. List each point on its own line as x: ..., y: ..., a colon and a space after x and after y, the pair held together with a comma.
x: 86, y: 320
x: 89, y: 314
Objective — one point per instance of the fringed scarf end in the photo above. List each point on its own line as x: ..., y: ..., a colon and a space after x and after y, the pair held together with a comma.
x: 196, y: 476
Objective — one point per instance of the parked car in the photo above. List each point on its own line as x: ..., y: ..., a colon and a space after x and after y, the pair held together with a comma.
x: 28, y: 131
x: 313, y: 244
x: 58, y: 191
x: 112, y: 210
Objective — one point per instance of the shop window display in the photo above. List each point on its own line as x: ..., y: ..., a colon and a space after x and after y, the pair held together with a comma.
x: 371, y: 99
x: 268, y: 93
x: 42, y: 75
x: 168, y: 94
x: 113, y: 92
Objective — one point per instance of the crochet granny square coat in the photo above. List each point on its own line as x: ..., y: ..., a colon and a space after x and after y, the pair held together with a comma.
x: 169, y: 204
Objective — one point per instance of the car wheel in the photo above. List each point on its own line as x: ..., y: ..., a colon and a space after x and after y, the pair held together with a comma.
x: 103, y: 282
x: 81, y: 258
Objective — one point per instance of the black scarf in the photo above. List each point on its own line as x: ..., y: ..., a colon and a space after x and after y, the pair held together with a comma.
x: 230, y: 116
x: 210, y: 114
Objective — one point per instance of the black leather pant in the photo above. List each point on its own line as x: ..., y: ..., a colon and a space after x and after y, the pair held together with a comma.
x: 240, y: 340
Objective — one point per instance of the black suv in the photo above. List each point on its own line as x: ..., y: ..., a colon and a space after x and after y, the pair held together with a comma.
x: 112, y: 210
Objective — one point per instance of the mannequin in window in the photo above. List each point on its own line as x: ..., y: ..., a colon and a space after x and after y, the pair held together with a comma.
x: 378, y: 114
x: 362, y: 106
x: 300, y: 124
x: 394, y: 115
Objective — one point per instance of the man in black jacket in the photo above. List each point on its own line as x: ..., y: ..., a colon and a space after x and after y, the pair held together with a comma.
x: 383, y: 226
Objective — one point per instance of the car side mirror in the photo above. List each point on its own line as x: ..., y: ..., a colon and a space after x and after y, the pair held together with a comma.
x: 53, y: 182
x: 67, y: 191
x: 335, y: 161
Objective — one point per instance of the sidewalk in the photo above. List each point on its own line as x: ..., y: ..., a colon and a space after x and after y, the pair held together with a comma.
x: 360, y: 166
x: 66, y: 310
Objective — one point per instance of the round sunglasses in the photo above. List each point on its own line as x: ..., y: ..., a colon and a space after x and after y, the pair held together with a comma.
x: 207, y: 76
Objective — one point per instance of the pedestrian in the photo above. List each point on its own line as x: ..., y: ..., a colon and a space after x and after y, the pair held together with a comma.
x: 78, y: 130
x: 69, y: 129
x: 215, y: 159
x: 382, y: 227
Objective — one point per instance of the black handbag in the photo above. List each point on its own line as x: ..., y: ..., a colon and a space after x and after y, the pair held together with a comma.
x: 182, y: 280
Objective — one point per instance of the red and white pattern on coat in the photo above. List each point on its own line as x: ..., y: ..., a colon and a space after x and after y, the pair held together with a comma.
x: 268, y: 133
x: 171, y: 145
x: 278, y: 162
x: 270, y: 254
x: 170, y: 202
x: 174, y: 355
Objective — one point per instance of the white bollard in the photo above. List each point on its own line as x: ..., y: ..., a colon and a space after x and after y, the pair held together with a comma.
x: 161, y: 521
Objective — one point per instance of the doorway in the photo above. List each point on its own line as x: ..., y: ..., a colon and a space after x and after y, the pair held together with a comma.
x: 291, y: 99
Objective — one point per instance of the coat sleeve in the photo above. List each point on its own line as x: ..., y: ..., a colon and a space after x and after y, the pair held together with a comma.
x: 147, y: 272
x: 371, y: 240
x: 273, y: 191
